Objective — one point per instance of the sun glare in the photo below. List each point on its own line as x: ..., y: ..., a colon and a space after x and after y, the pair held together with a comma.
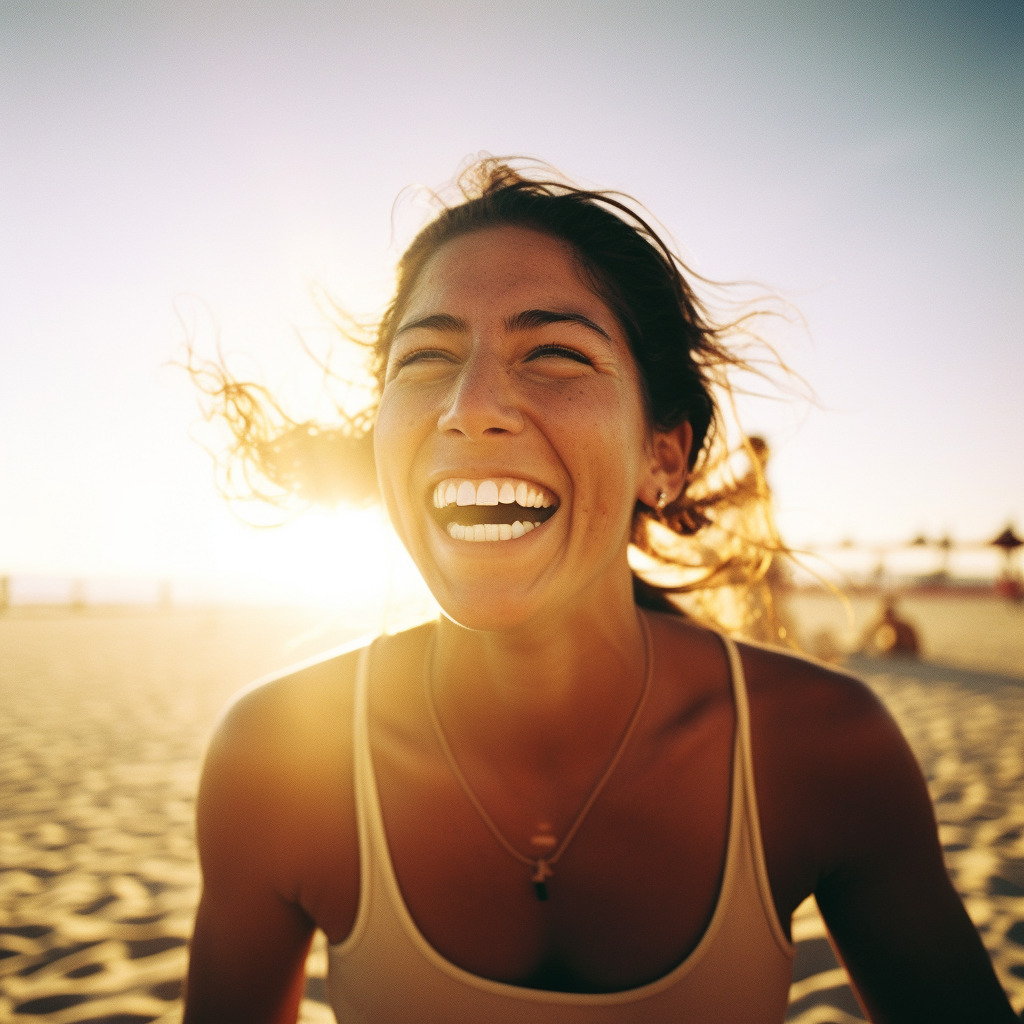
x: 346, y: 559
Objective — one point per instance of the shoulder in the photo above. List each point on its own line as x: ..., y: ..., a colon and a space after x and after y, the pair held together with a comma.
x: 806, y: 699
x: 281, y: 748
x: 788, y: 693
x: 289, y: 736
x: 806, y: 715
x: 275, y: 714
x: 284, y: 710
x: 792, y: 694
x: 833, y: 770
x: 280, y: 735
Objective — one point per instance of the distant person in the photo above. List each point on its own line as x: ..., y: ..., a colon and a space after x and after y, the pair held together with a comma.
x: 564, y: 800
x: 891, y: 635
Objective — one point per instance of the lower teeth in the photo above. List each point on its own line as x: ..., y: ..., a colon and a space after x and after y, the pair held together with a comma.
x: 489, y: 531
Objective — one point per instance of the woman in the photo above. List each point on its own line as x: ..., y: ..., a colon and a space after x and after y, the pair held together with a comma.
x: 557, y: 803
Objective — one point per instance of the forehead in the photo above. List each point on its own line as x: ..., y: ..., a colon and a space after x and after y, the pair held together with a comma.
x: 503, y: 265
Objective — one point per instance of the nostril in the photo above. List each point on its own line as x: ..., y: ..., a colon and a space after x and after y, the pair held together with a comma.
x: 491, y: 421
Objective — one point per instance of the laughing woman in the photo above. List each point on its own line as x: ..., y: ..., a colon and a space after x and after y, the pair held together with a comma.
x: 563, y: 801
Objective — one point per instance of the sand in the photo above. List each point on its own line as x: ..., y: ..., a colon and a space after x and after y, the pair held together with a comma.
x: 103, y: 717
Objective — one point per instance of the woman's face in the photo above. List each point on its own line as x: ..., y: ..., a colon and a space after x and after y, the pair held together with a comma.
x: 511, y: 439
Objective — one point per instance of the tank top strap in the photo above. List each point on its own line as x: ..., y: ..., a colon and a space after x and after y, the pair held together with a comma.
x: 360, y: 717
x: 743, y: 750
x: 367, y: 810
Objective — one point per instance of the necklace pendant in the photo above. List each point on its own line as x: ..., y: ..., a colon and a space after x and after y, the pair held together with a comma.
x: 543, y: 841
x: 540, y: 876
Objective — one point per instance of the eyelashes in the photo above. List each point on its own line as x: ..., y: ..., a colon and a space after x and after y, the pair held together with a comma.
x: 559, y: 350
x: 540, y: 352
x: 419, y: 355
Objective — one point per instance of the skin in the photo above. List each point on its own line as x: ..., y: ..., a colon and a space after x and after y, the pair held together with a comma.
x: 536, y: 666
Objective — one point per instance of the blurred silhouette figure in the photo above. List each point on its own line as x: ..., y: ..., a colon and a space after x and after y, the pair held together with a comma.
x: 891, y: 635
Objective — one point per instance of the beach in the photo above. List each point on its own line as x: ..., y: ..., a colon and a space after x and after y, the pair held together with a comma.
x: 104, y: 714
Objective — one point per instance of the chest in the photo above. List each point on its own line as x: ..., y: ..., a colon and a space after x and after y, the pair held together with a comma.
x: 629, y: 896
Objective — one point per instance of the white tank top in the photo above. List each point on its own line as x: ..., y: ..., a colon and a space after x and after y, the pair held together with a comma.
x: 385, y: 971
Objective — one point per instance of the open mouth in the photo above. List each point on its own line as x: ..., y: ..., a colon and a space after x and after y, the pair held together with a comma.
x: 496, y: 509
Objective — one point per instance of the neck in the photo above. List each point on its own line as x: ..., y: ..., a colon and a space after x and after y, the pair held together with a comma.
x: 546, y: 691
x: 560, y: 803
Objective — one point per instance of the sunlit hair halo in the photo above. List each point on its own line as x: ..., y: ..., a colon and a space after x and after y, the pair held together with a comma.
x: 713, y: 544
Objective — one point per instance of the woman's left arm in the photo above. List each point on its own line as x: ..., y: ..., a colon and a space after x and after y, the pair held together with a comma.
x: 898, y: 924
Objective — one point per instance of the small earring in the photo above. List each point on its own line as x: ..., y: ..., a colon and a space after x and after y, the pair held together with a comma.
x: 662, y: 500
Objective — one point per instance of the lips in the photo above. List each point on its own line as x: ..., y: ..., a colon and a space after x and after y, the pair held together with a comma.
x: 491, y: 509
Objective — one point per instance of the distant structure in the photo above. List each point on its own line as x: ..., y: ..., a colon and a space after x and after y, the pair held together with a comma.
x: 1010, y: 584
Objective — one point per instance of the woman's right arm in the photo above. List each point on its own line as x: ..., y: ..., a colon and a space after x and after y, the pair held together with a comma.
x: 252, y: 934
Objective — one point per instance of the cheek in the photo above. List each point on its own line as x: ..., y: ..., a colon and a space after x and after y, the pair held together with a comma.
x: 398, y: 419
x: 609, y: 445
x: 392, y: 440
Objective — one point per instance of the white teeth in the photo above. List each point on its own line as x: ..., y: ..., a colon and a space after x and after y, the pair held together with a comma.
x: 490, y: 492
x: 490, y: 531
x: 487, y: 493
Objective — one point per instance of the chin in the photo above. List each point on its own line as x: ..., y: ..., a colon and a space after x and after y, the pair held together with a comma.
x: 486, y: 608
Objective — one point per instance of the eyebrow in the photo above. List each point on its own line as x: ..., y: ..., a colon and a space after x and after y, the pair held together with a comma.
x: 444, y: 322
x: 527, y: 320
x: 530, y: 318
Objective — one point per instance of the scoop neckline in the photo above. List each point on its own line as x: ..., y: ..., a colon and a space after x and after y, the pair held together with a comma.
x: 384, y: 863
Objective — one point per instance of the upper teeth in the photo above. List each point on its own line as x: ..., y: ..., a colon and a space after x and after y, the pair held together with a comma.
x: 503, y: 491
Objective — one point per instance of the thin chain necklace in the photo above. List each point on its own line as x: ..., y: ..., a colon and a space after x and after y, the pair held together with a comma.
x: 542, y: 866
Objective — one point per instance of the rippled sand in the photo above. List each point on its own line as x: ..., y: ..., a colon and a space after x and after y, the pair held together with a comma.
x: 103, y: 718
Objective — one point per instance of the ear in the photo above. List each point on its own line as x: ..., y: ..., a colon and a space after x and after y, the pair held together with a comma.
x: 670, y: 459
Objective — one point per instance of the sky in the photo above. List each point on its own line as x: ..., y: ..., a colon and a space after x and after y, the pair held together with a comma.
x: 214, y: 163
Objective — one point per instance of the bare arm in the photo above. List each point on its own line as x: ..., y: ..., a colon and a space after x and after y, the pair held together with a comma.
x: 250, y: 940
x: 272, y: 815
x: 247, y: 958
x: 910, y: 948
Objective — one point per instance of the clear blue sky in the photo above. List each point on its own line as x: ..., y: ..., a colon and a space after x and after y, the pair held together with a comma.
x: 863, y: 158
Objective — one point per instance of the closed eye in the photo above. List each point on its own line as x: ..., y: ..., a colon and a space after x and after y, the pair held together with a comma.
x: 421, y: 355
x: 558, y: 350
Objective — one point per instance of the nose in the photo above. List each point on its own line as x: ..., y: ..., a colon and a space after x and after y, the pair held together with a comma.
x: 482, y: 400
